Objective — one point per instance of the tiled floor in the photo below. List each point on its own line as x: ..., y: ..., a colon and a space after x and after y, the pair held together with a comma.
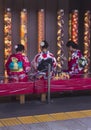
x: 77, y: 120
x: 64, y: 113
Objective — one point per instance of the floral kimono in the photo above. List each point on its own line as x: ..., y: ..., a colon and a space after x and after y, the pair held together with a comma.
x: 73, y: 64
x: 17, y: 67
x: 41, y: 60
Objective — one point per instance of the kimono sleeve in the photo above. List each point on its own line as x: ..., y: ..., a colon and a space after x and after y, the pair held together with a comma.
x: 35, y: 61
x: 26, y: 64
x: 7, y: 65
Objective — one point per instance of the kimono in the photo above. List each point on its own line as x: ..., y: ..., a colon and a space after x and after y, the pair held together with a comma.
x: 17, y: 67
x: 73, y: 64
x: 42, y: 59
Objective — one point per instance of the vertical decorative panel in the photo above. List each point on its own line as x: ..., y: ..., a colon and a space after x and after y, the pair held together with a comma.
x: 7, y: 34
x: 23, y: 28
x: 73, y: 26
x: 60, y: 42
x: 87, y: 25
x: 70, y: 26
x: 41, y: 27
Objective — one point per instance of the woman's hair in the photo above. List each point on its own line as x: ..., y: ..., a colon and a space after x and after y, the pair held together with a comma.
x: 19, y: 47
x: 73, y: 44
x: 44, y: 44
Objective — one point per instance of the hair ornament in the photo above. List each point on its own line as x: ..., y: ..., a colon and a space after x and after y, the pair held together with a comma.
x: 42, y: 43
x: 16, y: 46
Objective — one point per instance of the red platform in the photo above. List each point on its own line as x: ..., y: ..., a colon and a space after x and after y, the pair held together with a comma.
x: 16, y: 88
x: 41, y: 86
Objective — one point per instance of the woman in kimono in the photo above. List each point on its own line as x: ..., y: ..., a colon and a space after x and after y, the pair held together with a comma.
x: 74, y: 69
x: 18, y: 65
x: 42, y: 59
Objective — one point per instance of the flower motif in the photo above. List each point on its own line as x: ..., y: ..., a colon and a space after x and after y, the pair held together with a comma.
x: 82, y: 62
x: 16, y: 46
x: 42, y: 43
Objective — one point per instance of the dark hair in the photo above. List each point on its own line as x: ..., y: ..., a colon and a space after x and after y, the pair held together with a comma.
x: 46, y: 45
x: 19, y: 47
x: 73, y: 44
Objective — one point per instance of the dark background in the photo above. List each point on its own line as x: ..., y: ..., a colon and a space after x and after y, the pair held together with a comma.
x: 51, y: 7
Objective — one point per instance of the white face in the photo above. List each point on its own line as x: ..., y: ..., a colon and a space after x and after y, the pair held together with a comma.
x: 70, y: 48
x: 44, y: 50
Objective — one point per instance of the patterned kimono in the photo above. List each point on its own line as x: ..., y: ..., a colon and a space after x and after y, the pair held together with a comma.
x: 17, y: 67
x: 73, y: 64
x: 44, y: 57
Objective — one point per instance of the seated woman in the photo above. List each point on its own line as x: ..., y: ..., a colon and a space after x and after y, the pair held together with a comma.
x: 74, y: 68
x: 18, y: 65
x: 42, y: 59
